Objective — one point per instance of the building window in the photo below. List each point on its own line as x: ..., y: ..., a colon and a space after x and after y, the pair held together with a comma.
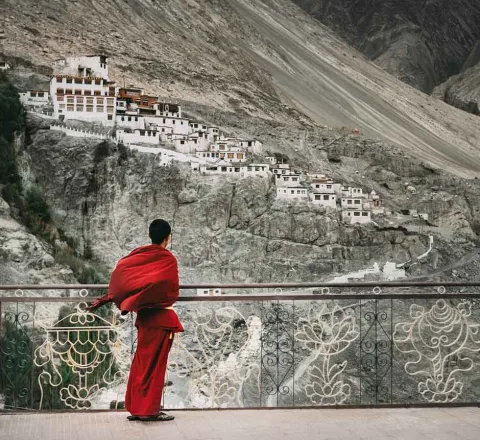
x: 99, y: 109
x: 349, y: 202
x: 292, y: 191
x: 123, y: 119
x: 329, y: 186
x: 129, y: 119
x: 182, y: 142
x: 70, y: 108
x: 224, y: 169
x: 237, y: 170
x: 142, y: 133
x: 317, y: 197
x: 357, y: 202
x: 79, y: 108
x: 90, y: 108
x: 173, y: 122
x: 356, y: 214
x: 364, y: 214
x: 325, y: 198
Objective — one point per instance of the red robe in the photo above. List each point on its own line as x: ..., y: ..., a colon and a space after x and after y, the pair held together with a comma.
x: 146, y: 281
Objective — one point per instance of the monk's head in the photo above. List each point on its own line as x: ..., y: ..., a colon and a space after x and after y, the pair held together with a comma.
x: 160, y: 232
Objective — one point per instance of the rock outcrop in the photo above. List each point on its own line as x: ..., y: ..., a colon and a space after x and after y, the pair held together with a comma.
x: 25, y: 259
x: 462, y: 90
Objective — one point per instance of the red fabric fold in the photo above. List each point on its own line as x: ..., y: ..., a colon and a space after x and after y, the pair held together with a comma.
x: 147, y: 278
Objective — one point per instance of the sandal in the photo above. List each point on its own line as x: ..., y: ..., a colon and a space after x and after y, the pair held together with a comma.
x: 160, y: 417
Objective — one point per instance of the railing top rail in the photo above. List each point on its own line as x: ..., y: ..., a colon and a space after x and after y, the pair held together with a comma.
x: 372, y: 284
x: 259, y: 298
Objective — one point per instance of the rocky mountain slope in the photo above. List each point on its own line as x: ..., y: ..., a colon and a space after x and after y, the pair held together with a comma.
x: 419, y: 41
x: 263, y: 57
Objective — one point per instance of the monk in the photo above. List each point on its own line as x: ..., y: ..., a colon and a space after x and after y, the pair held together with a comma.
x: 146, y: 282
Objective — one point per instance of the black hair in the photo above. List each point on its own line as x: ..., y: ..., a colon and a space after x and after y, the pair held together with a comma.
x: 159, y: 230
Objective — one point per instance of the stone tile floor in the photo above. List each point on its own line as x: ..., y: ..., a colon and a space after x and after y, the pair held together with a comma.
x: 276, y: 424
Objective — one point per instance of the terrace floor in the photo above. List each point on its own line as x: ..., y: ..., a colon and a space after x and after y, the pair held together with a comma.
x: 276, y: 424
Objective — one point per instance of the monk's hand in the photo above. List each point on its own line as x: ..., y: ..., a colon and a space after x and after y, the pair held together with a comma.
x: 94, y: 305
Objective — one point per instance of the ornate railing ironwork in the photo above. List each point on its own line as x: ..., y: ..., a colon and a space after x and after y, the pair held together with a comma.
x: 292, y: 345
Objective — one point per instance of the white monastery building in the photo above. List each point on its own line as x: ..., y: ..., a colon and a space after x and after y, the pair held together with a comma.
x: 292, y: 193
x: 356, y: 216
x: 35, y: 99
x: 81, y: 90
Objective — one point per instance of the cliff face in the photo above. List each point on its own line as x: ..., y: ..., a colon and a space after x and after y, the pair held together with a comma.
x: 235, y: 230
x: 25, y: 259
x: 420, y: 42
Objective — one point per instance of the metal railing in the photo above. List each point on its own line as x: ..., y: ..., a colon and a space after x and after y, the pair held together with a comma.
x: 284, y: 345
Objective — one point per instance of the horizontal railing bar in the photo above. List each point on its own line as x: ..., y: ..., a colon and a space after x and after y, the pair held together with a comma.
x: 256, y: 298
x: 345, y: 407
x: 253, y: 285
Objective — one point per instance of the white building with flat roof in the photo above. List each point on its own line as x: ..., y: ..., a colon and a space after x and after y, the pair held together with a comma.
x: 139, y: 136
x: 324, y: 199
x: 35, y: 99
x: 132, y: 122
x: 355, y: 203
x: 356, y: 216
x: 256, y: 169
x: 178, y: 125
x: 221, y: 168
x: 292, y: 193
x: 352, y: 192
x: 287, y: 180
x: 322, y: 187
x: 80, y: 90
x: 83, y: 66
